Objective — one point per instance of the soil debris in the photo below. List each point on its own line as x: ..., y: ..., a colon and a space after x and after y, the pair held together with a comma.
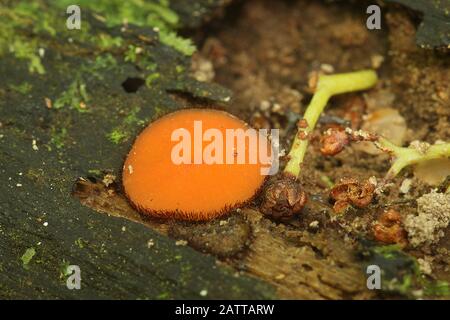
x: 433, y: 217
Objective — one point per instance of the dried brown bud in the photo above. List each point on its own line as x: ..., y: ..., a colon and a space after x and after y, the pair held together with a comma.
x: 302, y: 123
x: 283, y: 197
x: 350, y: 191
x: 388, y: 229
x: 303, y: 135
x: 333, y: 141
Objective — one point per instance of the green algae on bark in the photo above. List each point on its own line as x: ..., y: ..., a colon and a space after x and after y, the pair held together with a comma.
x: 45, y: 148
x: 155, y: 14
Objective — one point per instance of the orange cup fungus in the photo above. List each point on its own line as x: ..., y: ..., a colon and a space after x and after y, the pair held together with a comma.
x: 194, y: 164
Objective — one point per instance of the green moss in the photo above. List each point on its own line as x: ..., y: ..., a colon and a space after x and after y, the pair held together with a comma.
x: 27, y: 10
x: 155, y: 14
x: 106, y: 41
x: 389, y: 252
x: 19, y: 20
x: 102, y: 63
x: 171, y: 39
x: 439, y: 288
x: 179, y: 69
x: 138, y: 56
x: 27, y: 257
x: 95, y: 172
x: 44, y: 21
x: 58, y: 137
x: 151, y: 78
x: 23, y: 88
x: 131, y: 53
x: 63, y: 269
x: 80, y: 243
x: 163, y: 296
x: 163, y: 12
x: 117, y: 136
x: 127, y: 128
x: 75, y: 96
x: 28, y: 51
x: 132, y: 118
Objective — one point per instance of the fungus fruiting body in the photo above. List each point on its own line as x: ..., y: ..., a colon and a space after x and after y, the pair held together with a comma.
x: 190, y: 164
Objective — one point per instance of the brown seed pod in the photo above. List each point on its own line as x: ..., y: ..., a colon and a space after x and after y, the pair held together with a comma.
x: 333, y: 141
x: 302, y: 123
x: 350, y: 191
x: 283, y: 197
x: 388, y: 229
x: 303, y: 135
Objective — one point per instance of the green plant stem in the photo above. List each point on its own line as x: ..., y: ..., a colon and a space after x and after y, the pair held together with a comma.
x: 327, y: 86
x: 408, y: 156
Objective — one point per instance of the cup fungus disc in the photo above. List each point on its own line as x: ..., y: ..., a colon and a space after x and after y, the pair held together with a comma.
x: 178, y: 168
